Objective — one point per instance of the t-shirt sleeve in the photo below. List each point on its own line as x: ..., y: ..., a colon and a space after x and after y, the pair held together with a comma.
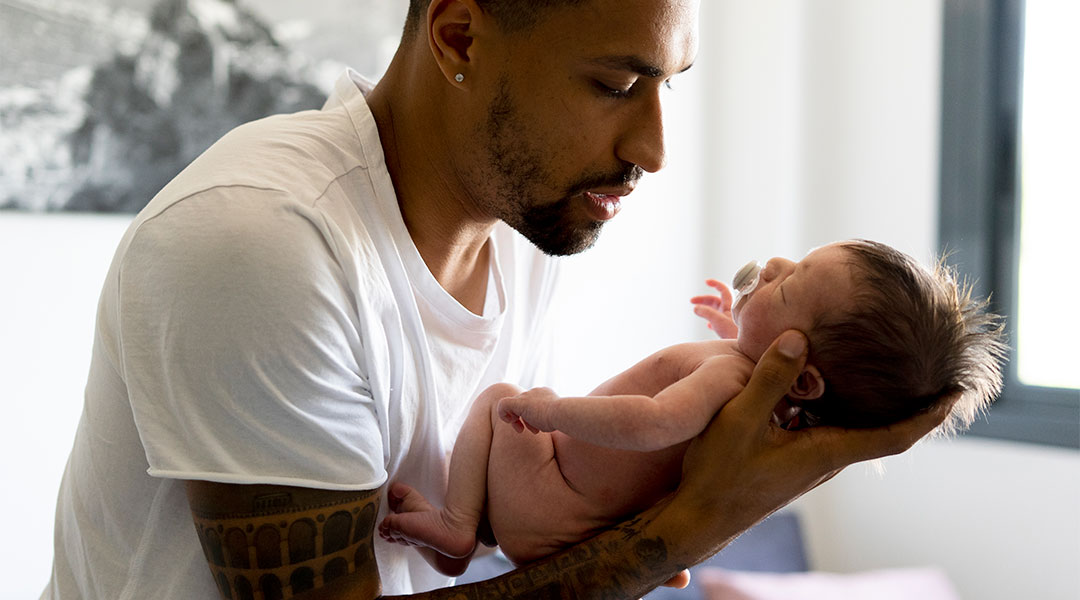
x: 241, y: 347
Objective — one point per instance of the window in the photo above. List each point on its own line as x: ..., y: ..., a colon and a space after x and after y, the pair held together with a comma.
x: 1010, y: 201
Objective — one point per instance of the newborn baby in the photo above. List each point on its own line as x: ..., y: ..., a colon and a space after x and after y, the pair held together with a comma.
x: 888, y: 339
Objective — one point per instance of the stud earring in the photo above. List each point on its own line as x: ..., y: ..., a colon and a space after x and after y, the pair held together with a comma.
x: 459, y: 78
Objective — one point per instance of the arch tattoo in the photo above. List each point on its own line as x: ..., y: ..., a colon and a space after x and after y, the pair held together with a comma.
x: 273, y: 542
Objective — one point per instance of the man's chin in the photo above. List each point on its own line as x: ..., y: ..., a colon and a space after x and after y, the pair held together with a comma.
x: 565, y: 242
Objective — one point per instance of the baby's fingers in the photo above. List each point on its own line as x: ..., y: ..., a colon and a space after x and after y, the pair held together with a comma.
x: 508, y: 416
x: 720, y: 286
x: 714, y: 301
x: 719, y: 321
x: 510, y: 413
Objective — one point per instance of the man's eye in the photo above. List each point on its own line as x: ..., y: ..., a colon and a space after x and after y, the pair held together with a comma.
x: 614, y: 92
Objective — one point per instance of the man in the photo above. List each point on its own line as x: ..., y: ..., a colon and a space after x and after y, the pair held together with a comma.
x: 305, y: 314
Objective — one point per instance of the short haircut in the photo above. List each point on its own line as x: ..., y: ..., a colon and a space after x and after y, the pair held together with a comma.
x: 512, y: 15
x: 914, y: 337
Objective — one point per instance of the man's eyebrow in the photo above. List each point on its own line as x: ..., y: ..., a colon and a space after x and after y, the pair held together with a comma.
x: 633, y: 63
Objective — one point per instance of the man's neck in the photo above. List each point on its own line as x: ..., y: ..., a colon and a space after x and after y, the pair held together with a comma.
x: 446, y: 227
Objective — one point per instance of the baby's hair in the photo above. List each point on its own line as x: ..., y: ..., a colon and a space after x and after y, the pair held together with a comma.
x: 914, y: 337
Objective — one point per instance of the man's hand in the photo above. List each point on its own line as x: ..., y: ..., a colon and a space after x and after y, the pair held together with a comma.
x: 743, y: 467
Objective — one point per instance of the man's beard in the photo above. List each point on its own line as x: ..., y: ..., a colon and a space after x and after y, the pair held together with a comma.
x: 519, y: 177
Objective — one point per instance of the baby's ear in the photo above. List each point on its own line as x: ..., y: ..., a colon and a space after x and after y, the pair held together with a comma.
x: 810, y: 384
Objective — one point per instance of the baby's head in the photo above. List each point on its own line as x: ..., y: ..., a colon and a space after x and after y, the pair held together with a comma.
x: 888, y: 336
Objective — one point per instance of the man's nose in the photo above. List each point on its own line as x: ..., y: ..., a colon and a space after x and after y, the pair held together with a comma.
x: 642, y: 143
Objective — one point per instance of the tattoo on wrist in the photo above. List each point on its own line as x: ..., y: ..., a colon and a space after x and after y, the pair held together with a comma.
x: 613, y: 565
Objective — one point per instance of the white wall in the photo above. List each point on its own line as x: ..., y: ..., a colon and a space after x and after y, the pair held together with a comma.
x: 824, y: 125
x: 999, y: 517
x: 51, y: 269
x: 822, y: 121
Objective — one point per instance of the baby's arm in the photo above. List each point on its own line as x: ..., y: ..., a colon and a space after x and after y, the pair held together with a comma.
x: 636, y: 421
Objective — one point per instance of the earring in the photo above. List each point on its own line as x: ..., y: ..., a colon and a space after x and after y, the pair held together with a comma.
x: 459, y: 78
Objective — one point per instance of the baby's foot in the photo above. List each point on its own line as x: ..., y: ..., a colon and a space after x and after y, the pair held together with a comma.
x: 415, y: 522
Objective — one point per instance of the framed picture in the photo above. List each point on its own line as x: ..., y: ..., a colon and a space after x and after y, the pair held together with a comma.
x: 102, y: 102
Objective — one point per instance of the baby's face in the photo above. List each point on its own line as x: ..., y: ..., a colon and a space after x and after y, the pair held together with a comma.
x: 792, y: 295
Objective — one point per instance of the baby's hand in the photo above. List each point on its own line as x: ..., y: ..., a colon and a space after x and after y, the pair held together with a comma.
x: 530, y: 410
x: 717, y: 310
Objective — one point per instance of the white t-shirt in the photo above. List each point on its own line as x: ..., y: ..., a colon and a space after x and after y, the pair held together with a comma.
x: 267, y: 319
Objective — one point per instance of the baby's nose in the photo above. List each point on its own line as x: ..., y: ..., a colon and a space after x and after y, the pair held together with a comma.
x: 774, y: 268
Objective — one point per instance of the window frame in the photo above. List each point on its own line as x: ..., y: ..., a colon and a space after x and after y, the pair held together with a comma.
x: 979, y: 223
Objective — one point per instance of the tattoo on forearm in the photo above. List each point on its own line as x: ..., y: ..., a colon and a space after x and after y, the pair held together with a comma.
x: 597, y: 568
x: 280, y: 549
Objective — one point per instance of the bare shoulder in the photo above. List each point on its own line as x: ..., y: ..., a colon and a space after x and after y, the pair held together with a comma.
x: 692, y: 355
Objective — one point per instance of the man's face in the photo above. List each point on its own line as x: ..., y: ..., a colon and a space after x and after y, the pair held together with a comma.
x: 573, y: 118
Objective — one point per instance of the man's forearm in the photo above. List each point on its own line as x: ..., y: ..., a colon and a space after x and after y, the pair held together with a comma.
x: 626, y: 561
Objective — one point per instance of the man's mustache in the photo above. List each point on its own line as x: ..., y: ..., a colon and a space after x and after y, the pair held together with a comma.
x: 629, y: 176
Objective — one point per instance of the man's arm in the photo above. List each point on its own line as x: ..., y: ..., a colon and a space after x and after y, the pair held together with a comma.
x: 298, y: 543
x: 287, y: 541
x: 763, y: 468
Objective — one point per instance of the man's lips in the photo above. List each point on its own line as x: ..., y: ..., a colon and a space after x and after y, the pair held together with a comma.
x: 602, y: 207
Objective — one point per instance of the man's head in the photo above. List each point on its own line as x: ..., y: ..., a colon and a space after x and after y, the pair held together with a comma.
x: 888, y: 337
x: 512, y: 15
x: 556, y: 113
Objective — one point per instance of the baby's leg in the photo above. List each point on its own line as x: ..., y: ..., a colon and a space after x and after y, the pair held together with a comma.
x: 452, y: 530
x: 534, y: 507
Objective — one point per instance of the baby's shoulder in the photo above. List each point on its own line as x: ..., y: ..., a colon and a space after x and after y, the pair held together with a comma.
x: 691, y: 356
x: 702, y: 351
x: 725, y: 356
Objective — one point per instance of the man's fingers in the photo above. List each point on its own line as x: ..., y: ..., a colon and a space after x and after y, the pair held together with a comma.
x: 679, y: 581
x: 774, y: 374
x: 855, y: 445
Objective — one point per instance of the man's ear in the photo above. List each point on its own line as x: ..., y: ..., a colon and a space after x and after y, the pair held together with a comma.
x: 809, y: 385
x: 451, y: 28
